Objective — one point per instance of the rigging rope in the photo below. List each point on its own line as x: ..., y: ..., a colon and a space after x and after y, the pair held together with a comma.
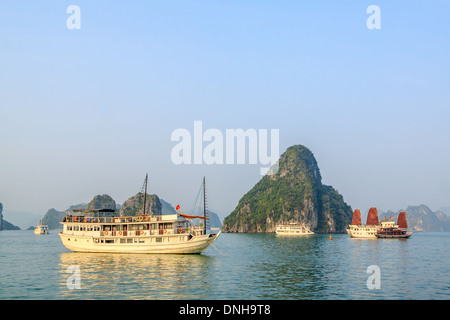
x: 218, y: 249
x: 196, y: 200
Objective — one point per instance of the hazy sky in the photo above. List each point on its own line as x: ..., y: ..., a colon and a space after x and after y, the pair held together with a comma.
x: 89, y: 111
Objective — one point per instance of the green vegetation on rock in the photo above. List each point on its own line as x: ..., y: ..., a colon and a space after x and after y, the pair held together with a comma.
x: 294, y: 194
x: 135, y: 205
x: 103, y: 201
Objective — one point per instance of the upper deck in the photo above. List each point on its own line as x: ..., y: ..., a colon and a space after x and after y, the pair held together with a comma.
x: 387, y: 223
x: 119, y: 220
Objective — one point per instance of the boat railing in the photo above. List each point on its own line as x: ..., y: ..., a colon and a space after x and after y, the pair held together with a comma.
x: 89, y: 219
x: 136, y: 233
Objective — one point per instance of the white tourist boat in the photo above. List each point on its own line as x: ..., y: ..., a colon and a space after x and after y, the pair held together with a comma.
x: 369, y: 231
x: 292, y: 229
x: 41, y: 229
x: 103, y: 231
x: 363, y: 231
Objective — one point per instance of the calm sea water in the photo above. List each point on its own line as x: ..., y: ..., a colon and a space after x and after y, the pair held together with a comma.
x: 248, y: 266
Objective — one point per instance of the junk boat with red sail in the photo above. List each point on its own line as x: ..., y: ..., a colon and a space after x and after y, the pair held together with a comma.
x: 390, y: 230
x: 369, y: 230
x: 374, y: 229
x: 102, y: 231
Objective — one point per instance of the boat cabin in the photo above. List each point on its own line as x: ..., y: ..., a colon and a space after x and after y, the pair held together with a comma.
x: 103, y: 222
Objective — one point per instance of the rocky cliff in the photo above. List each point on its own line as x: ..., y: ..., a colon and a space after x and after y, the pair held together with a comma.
x: 422, y: 218
x: 5, y: 225
x: 294, y: 194
x: 53, y: 217
x: 103, y: 201
x: 167, y: 208
x: 135, y: 205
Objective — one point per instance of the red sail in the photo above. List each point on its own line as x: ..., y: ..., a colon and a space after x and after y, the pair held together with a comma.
x: 356, y: 220
x: 401, y: 220
x: 372, y: 217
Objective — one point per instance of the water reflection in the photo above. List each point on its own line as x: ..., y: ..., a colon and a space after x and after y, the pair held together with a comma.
x: 314, y: 267
x: 137, y: 276
x: 264, y: 266
x: 295, y: 267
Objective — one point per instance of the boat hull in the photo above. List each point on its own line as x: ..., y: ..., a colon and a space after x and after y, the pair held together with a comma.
x: 196, y: 245
x: 363, y: 232
x: 40, y: 231
x: 394, y: 236
x: 292, y: 234
x: 292, y: 229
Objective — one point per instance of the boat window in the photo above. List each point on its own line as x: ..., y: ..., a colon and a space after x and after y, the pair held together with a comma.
x: 168, y: 226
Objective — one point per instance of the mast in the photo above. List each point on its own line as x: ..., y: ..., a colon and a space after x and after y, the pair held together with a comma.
x: 145, y: 193
x: 204, y: 205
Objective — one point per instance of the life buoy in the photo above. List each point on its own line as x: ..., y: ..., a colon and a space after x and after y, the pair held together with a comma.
x: 106, y: 233
x: 85, y: 219
x: 120, y: 233
x: 165, y: 231
x: 142, y: 232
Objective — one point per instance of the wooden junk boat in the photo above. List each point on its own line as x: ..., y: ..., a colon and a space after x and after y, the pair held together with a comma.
x: 390, y: 230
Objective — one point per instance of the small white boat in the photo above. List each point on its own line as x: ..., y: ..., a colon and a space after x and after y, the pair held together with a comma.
x: 292, y: 229
x: 41, y: 229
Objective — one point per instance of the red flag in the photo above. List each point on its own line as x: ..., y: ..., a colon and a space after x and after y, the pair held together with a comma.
x: 178, y: 207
